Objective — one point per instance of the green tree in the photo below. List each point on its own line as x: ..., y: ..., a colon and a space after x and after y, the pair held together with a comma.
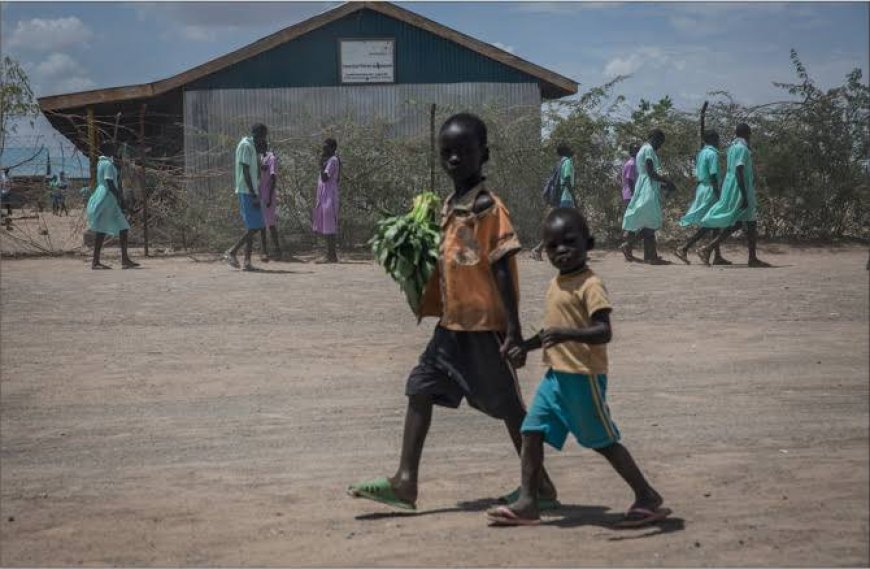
x: 16, y: 98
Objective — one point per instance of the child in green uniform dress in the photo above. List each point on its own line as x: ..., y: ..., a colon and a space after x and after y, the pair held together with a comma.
x: 643, y: 216
x: 737, y: 204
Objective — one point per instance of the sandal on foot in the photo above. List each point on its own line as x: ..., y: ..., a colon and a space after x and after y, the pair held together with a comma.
x: 544, y: 504
x: 758, y: 264
x: 504, y: 516
x: 639, y: 517
x: 704, y: 255
x: 100, y: 267
x: 379, y: 490
x: 626, y: 251
x: 130, y: 265
x: 721, y: 261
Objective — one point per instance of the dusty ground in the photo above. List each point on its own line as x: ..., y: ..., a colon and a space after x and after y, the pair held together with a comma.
x: 185, y: 414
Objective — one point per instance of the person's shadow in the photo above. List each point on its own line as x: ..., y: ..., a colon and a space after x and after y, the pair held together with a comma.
x: 565, y: 516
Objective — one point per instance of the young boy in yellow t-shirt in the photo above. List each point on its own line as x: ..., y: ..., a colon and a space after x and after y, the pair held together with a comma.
x: 571, y: 397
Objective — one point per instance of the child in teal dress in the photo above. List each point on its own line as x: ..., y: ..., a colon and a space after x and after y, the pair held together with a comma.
x: 643, y: 216
x: 104, y: 209
x: 737, y: 205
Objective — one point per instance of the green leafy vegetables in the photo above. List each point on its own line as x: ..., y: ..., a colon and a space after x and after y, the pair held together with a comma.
x: 407, y: 246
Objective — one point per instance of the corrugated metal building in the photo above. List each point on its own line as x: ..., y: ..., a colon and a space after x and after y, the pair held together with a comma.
x: 362, y: 61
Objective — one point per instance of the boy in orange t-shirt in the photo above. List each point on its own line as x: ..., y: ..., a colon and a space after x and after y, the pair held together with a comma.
x: 474, y: 293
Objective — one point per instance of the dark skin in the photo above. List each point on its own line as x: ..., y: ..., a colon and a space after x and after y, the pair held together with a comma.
x: 567, y: 247
x: 631, y: 237
x: 751, y: 227
x: 683, y: 252
x: 260, y: 144
x: 462, y: 157
x: 272, y: 229
x: 126, y: 261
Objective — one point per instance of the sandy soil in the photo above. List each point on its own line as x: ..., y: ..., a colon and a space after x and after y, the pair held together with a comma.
x: 185, y: 414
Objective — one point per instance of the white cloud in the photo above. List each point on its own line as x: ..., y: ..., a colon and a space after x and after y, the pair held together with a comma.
x: 507, y: 48
x: 198, y: 33
x: 42, y: 35
x: 642, y: 57
x: 59, y: 73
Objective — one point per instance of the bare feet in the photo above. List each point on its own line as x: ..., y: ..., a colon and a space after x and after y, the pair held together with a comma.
x: 757, y: 263
x: 100, y: 267
x: 658, y: 261
x: 129, y: 264
x: 721, y: 261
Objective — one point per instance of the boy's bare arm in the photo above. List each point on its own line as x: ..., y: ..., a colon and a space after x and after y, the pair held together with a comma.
x: 598, y: 333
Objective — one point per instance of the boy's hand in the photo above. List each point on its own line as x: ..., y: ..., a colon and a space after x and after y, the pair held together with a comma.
x: 553, y: 336
x: 512, y: 350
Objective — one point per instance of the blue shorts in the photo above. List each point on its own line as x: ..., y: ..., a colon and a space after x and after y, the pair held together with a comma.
x: 572, y: 403
x: 251, y: 215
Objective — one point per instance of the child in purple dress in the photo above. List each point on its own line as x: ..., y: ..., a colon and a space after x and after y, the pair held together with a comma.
x: 326, y: 206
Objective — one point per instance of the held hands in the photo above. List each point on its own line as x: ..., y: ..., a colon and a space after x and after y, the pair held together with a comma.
x: 553, y: 336
x: 513, y: 349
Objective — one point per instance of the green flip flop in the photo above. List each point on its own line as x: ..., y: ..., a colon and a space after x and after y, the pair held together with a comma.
x: 381, y: 491
x: 544, y: 504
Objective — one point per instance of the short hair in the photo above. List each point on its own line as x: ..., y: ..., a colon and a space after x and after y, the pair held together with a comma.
x: 259, y: 128
x: 634, y: 148
x: 107, y: 147
x: 331, y: 142
x: 743, y: 130
x: 470, y: 121
x: 572, y: 216
x: 711, y: 137
x: 657, y: 133
x: 563, y: 149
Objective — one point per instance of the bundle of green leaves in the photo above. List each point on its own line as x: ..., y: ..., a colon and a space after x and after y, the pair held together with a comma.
x: 407, y: 246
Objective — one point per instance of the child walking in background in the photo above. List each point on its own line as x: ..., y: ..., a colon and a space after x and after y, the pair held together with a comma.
x: 737, y: 205
x: 474, y: 292
x: 706, y: 193
x: 643, y: 216
x: 326, y: 204
x: 629, y: 174
x: 269, y: 202
x: 571, y: 397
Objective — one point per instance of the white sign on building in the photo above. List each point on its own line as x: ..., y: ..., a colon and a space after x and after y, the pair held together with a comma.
x: 368, y: 61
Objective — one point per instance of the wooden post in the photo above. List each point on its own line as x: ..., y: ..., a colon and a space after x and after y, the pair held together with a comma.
x: 144, y: 192
x: 432, y: 148
x: 92, y: 144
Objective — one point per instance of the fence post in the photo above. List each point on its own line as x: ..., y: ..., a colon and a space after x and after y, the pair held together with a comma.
x: 432, y: 148
x: 142, y: 175
x: 92, y: 143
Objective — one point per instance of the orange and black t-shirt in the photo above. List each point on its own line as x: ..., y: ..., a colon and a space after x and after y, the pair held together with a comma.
x: 463, y: 291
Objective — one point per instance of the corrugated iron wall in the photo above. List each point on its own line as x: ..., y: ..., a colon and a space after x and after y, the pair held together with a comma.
x: 215, y: 119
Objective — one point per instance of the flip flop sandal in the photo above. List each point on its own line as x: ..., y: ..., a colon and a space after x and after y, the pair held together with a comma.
x: 544, y: 504
x: 641, y: 517
x: 504, y: 517
x: 231, y: 261
x: 100, y: 267
x: 379, y: 490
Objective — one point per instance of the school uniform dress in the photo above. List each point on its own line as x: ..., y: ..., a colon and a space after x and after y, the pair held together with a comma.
x: 268, y: 167
x: 728, y: 212
x: 103, y: 211
x: 463, y: 359
x: 571, y: 397
x: 644, y: 211
x: 326, y: 207
x: 246, y: 155
x: 706, y: 166
x: 566, y: 181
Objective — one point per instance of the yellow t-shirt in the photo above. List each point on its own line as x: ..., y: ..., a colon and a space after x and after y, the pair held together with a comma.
x: 571, y: 301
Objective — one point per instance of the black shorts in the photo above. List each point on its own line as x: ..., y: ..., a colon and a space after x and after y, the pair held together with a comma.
x: 467, y: 364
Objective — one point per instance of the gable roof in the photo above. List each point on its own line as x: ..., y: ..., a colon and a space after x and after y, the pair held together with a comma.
x: 552, y: 84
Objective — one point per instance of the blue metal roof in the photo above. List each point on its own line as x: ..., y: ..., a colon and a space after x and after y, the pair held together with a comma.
x: 75, y: 166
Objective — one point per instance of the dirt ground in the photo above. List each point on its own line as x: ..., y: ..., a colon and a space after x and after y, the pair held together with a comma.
x: 186, y: 414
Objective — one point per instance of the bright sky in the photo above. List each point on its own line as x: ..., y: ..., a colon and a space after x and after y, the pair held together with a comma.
x: 683, y: 50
